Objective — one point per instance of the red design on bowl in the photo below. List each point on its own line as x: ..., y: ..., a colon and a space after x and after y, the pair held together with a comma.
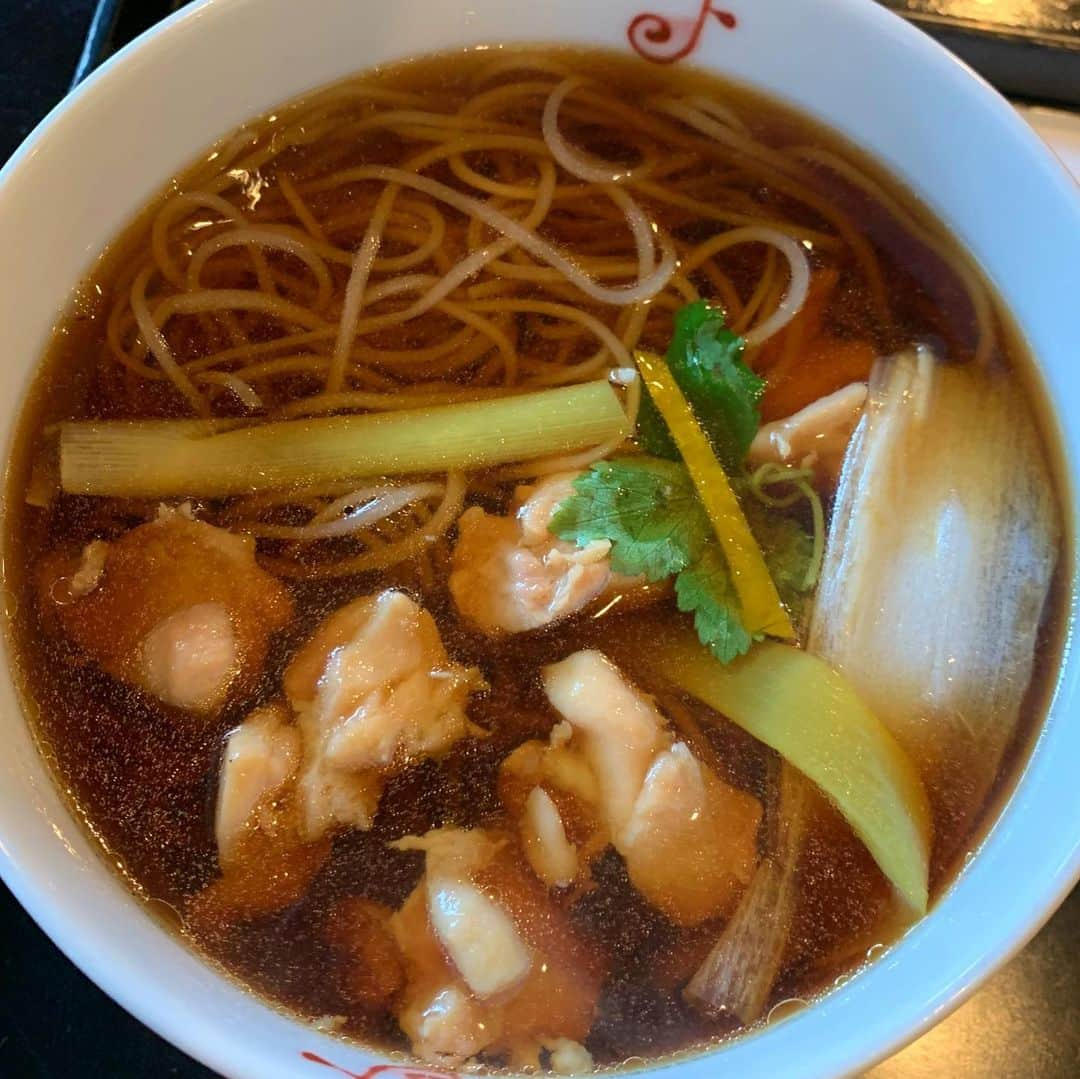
x: 386, y: 1071
x: 664, y: 40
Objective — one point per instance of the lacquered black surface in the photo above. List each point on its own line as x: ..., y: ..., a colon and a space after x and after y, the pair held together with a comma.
x: 1029, y: 48
x: 40, y: 43
x: 1050, y: 21
x: 54, y: 1024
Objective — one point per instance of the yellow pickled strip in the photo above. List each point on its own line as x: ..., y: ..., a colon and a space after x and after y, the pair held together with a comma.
x: 762, y: 610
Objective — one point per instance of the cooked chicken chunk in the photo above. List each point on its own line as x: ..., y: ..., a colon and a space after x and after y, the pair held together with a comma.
x: 265, y: 862
x: 688, y: 838
x: 479, y: 928
x: 445, y: 1026
x: 510, y: 574
x: 188, y: 659
x: 816, y: 436
x: 374, y: 690
x: 332, y: 798
x: 91, y: 567
x: 569, y: 1057
x: 260, y: 757
x: 553, y: 858
x: 176, y: 607
x: 691, y: 842
x: 619, y: 731
x: 478, y: 936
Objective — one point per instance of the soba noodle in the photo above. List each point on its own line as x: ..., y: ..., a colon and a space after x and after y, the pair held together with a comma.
x: 529, y: 234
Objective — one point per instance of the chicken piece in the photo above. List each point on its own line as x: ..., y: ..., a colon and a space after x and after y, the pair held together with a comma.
x: 511, y: 575
x: 691, y: 842
x: 260, y: 757
x: 478, y: 935
x: 91, y: 569
x: 689, y: 839
x: 188, y: 658
x: 552, y: 764
x: 176, y: 607
x: 553, y: 858
x: 816, y: 436
x: 265, y: 863
x: 375, y: 691
x: 442, y: 1020
x: 569, y: 1057
x: 538, y: 503
x: 505, y: 975
x: 619, y: 731
x: 549, y: 788
x: 447, y: 1026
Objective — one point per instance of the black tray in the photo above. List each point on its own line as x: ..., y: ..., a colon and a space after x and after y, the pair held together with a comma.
x: 1026, y: 48
x: 114, y: 24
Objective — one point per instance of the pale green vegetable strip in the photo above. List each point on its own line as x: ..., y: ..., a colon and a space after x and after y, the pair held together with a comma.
x: 143, y: 460
x: 798, y: 705
x: 189, y: 428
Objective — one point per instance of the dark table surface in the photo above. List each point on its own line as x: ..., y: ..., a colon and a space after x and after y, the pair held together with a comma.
x: 54, y: 1024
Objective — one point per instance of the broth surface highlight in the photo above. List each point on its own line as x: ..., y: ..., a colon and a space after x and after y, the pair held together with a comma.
x: 144, y: 776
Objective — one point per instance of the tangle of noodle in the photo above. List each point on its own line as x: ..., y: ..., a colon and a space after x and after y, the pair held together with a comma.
x: 379, y: 248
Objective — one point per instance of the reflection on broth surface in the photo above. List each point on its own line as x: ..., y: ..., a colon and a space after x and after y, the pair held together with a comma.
x: 535, y: 560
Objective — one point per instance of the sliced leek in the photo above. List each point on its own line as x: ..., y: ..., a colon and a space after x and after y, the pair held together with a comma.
x: 738, y: 974
x: 148, y: 460
x: 944, y: 540
x: 798, y: 705
x: 761, y: 607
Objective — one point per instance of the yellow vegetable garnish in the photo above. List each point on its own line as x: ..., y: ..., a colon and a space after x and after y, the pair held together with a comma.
x: 811, y: 715
x: 762, y: 610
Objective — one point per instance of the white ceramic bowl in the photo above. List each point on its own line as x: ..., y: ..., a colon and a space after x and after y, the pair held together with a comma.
x: 100, y: 156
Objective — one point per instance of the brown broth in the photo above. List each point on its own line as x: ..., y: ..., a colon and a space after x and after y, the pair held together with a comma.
x: 144, y: 779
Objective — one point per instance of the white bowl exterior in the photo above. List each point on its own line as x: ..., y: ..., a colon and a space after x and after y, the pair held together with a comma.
x: 104, y: 152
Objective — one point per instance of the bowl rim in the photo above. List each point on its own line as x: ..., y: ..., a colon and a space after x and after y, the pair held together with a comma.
x: 199, y: 1037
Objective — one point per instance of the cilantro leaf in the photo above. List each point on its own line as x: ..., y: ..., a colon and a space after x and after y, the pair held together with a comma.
x: 705, y: 358
x: 649, y: 511
x: 647, y: 508
x: 652, y: 432
x: 788, y: 550
x: 705, y: 589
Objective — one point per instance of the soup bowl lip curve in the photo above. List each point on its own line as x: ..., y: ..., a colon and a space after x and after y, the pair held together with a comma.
x: 31, y: 878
